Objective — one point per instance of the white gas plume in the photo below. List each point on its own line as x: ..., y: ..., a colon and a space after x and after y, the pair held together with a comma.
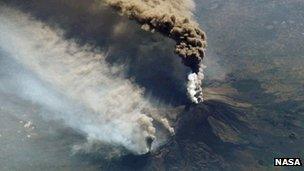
x: 77, y: 84
x: 194, y: 85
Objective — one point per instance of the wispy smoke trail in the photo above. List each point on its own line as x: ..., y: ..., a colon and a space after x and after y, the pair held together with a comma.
x: 172, y: 18
x: 77, y: 83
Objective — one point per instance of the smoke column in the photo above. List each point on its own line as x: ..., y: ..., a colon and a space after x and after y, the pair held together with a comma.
x: 172, y: 18
x: 78, y: 85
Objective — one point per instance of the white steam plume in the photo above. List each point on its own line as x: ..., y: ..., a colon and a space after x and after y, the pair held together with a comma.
x: 77, y: 83
x: 194, y: 85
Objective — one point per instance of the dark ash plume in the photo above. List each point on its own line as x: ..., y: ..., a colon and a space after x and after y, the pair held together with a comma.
x: 173, y: 19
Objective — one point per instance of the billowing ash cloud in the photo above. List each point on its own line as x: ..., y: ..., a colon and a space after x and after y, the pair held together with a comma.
x: 77, y: 84
x: 172, y: 18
